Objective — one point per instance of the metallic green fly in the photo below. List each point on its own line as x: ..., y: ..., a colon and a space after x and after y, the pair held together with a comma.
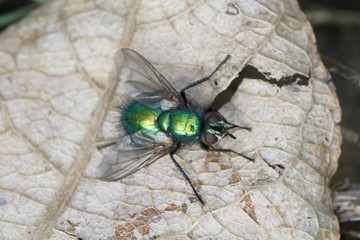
x: 158, y: 120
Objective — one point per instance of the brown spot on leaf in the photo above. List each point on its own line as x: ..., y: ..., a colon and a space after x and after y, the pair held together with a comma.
x: 193, y: 199
x: 173, y: 207
x: 249, y: 208
x: 234, y: 178
x: 212, y: 157
x: 71, y: 227
x: 140, y: 222
x: 224, y: 166
x: 126, y: 231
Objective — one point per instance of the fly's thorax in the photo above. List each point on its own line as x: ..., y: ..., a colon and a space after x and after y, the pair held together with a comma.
x: 139, y: 117
x: 164, y: 121
x: 183, y: 124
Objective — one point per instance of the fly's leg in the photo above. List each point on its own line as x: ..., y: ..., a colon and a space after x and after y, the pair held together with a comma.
x: 235, y: 126
x: 182, y: 92
x: 176, y: 147
x: 207, y: 148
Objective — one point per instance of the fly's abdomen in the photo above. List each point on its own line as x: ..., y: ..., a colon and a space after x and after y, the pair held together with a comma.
x: 185, y: 124
x: 138, y: 117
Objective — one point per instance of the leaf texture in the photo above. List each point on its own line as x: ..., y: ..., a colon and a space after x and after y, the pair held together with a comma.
x: 58, y: 86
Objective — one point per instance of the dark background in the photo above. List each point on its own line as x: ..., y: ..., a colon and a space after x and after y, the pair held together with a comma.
x: 337, y: 28
x: 340, y: 40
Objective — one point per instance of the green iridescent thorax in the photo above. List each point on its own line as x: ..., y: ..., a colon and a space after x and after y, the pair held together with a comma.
x: 182, y: 124
x: 185, y: 124
x: 164, y: 121
x: 138, y: 117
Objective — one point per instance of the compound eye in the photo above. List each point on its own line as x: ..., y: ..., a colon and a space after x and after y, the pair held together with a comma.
x: 210, y: 139
x: 215, y: 117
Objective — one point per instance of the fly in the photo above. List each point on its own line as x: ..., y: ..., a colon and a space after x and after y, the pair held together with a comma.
x: 158, y: 120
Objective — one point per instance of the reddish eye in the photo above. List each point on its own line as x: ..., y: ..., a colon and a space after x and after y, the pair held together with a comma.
x: 215, y: 117
x: 210, y: 139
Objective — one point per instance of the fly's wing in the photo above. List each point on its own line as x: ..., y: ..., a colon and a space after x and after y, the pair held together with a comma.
x: 133, y: 152
x: 146, y: 85
x: 143, y: 82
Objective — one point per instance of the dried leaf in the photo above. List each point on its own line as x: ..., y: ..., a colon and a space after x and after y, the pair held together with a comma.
x: 57, y: 83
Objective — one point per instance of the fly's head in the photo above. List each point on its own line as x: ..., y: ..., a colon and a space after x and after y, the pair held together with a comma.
x: 216, y: 127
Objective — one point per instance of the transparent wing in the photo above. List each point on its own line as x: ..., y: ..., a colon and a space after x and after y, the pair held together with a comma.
x: 143, y: 82
x: 133, y: 152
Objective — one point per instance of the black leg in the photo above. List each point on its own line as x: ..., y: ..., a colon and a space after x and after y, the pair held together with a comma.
x: 182, y: 92
x: 235, y: 126
x: 207, y: 148
x: 176, y: 147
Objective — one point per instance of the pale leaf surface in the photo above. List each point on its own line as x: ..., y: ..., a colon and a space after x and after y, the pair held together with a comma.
x: 58, y: 88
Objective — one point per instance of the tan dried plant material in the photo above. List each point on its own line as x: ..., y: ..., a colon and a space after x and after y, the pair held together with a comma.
x: 58, y: 81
